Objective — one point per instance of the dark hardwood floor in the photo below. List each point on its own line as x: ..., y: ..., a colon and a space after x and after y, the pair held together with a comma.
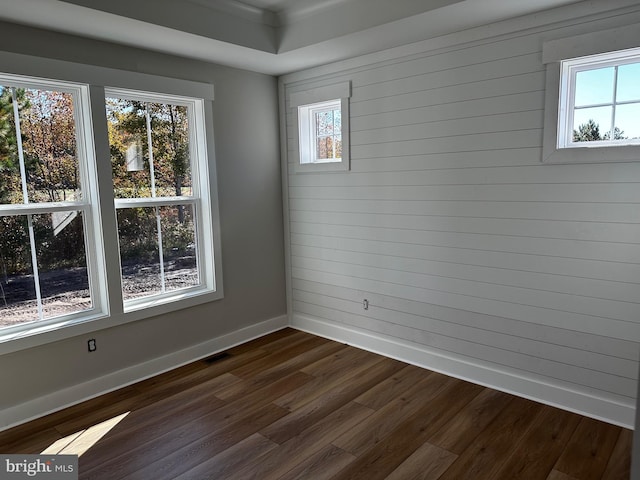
x: 294, y: 406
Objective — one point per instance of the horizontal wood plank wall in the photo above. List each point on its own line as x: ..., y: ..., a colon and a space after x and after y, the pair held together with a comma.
x: 466, y: 246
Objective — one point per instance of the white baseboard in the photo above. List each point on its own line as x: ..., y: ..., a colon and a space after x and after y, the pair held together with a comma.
x: 544, y: 392
x: 52, y: 402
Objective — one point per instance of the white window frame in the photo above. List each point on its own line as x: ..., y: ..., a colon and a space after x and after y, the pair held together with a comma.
x: 307, y: 131
x: 109, y: 309
x: 564, y: 58
x: 88, y: 203
x: 305, y: 104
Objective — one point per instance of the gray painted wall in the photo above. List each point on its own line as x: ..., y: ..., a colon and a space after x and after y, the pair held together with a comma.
x: 250, y: 197
x: 476, y: 259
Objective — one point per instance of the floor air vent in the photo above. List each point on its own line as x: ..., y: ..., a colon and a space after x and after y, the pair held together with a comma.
x: 216, y: 358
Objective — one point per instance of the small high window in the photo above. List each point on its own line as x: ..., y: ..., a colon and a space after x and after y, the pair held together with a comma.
x: 600, y: 100
x: 320, y: 132
x: 592, y: 102
x: 322, y: 117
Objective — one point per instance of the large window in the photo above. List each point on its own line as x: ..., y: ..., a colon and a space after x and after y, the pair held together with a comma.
x: 47, y: 253
x: 58, y: 246
x: 157, y: 195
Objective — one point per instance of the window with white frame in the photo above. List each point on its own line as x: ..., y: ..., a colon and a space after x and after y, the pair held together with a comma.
x: 600, y: 100
x: 54, y: 244
x: 157, y: 193
x: 47, y: 203
x: 322, y: 118
x: 593, y: 98
x: 320, y: 130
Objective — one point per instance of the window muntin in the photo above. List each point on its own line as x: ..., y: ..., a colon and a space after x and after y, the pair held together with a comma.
x: 45, y: 215
x: 600, y: 101
x: 157, y: 197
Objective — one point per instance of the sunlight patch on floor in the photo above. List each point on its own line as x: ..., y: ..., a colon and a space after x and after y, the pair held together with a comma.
x: 79, y: 442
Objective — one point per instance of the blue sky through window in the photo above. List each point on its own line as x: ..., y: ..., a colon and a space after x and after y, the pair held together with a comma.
x: 594, y: 98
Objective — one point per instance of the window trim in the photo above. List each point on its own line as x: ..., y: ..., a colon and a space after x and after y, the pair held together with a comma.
x: 92, y: 79
x: 303, y: 103
x: 613, y: 42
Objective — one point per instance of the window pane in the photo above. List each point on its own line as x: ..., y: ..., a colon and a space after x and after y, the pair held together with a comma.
x: 338, y: 140
x: 594, y: 87
x: 127, y: 124
x: 133, y: 176
x: 179, y: 247
x: 324, y: 148
x: 324, y: 123
x: 18, y: 302
x: 628, y: 121
x: 48, y: 132
x: 139, y: 254
x: 170, y: 138
x: 628, y: 82
x: 10, y: 185
x: 337, y: 121
x: 62, y: 263
x: 591, y: 124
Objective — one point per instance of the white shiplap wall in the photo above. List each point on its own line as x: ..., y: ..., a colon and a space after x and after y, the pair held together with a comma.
x: 476, y: 259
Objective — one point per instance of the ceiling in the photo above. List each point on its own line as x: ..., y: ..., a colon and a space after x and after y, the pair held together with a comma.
x: 268, y: 36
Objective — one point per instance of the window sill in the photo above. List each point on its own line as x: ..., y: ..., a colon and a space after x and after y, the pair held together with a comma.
x: 593, y: 155
x: 342, y: 166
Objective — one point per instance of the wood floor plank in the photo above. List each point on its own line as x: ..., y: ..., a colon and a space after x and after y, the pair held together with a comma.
x: 305, y: 444
x: 232, y: 459
x: 270, y: 343
x: 556, y: 475
x: 426, y: 463
x: 98, y: 410
x: 89, y: 437
x: 457, y: 434
x: 370, y: 432
x: 163, y: 460
x: 134, y: 437
x: 274, y: 359
x: 589, y: 449
x: 163, y: 443
x: 302, y: 418
x: 345, y: 358
x: 382, y: 459
x: 540, y: 448
x: 169, y: 383
x: 27, y: 439
x: 322, y: 466
x: 173, y: 464
x: 159, y: 420
x: 619, y: 466
x: 482, y: 459
x: 322, y: 383
x: 283, y: 368
x: 383, y: 393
